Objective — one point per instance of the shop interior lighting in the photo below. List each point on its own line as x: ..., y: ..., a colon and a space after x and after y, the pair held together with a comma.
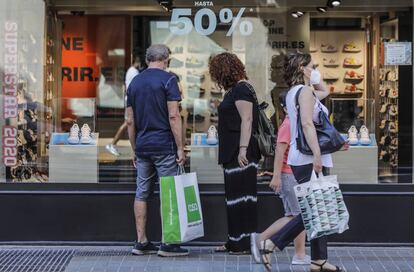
x: 166, y: 4
x: 333, y: 3
x: 322, y: 9
x: 297, y: 14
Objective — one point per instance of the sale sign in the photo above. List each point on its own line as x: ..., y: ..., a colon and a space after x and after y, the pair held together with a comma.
x: 79, y: 59
x: 94, y: 48
x: 181, y: 23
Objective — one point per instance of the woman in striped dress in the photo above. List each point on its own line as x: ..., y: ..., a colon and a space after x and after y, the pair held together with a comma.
x: 238, y: 150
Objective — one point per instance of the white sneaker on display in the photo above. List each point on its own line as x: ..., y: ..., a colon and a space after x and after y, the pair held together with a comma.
x: 306, y: 260
x: 212, y: 135
x: 74, y: 134
x: 364, y: 136
x: 353, y: 135
x: 112, y: 149
x: 85, y: 134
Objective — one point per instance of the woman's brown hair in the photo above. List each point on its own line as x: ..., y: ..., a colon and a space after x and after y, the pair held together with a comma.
x: 293, y: 72
x: 226, y: 70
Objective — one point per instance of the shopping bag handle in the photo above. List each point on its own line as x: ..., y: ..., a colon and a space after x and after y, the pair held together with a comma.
x: 180, y: 170
x: 315, y: 177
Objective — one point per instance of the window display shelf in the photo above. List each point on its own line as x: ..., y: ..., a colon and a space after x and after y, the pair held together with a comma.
x: 204, y: 160
x: 361, y: 157
x: 200, y: 140
x: 373, y: 143
x: 69, y: 163
x: 344, y: 94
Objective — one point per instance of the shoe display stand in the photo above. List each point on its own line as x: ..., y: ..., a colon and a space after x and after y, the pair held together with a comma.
x: 331, y: 53
x: 73, y: 163
x: 362, y: 157
x: 203, y: 160
x: 30, y: 165
x: 388, y: 119
x: 388, y: 106
x: 28, y: 115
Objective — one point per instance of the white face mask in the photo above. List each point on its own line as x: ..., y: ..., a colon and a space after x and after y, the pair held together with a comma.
x: 315, y: 77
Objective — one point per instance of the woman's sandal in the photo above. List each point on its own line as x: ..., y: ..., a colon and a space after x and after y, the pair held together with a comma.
x: 322, y: 269
x: 264, y: 252
x: 245, y: 252
x: 221, y: 249
x: 224, y: 249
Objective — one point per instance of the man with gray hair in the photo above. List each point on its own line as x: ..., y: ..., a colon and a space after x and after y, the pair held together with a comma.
x: 154, y: 130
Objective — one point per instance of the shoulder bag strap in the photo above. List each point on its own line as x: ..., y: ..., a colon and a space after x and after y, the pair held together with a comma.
x: 297, y: 99
x: 252, y: 91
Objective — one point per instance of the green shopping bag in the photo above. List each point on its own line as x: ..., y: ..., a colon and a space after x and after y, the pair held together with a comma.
x: 181, y: 215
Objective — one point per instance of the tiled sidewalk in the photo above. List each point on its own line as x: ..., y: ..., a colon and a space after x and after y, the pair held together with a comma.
x: 201, y: 259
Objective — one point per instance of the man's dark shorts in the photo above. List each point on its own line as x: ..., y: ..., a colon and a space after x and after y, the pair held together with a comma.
x: 150, y: 169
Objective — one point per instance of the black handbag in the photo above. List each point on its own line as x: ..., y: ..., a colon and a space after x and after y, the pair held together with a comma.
x: 329, y: 138
x: 265, y: 134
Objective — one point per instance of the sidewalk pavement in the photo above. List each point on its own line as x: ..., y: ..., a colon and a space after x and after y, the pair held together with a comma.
x: 201, y: 259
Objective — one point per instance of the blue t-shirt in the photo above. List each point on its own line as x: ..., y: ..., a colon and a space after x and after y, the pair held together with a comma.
x: 148, y: 95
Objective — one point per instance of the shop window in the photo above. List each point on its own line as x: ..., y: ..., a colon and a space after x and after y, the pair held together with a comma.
x: 70, y: 80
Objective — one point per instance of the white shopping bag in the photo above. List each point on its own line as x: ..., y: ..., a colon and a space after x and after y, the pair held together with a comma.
x: 181, y: 215
x: 322, y: 206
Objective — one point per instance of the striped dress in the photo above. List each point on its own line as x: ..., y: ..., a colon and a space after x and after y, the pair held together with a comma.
x: 239, y: 183
x: 241, y: 202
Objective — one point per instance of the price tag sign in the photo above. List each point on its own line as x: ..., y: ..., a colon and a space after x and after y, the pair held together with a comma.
x: 398, y: 53
x: 182, y: 24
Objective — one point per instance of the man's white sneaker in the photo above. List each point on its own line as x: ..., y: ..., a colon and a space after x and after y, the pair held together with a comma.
x: 212, y: 135
x: 85, y: 134
x: 74, y: 134
x: 306, y: 260
x: 364, y: 136
x: 353, y: 135
x: 112, y: 149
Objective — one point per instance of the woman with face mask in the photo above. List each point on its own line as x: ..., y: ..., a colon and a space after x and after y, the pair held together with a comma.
x: 301, y: 76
